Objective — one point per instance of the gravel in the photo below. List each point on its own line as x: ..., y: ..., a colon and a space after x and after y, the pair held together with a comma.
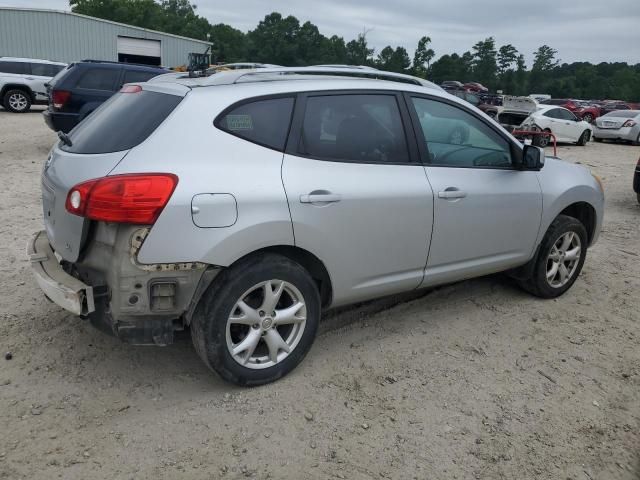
x: 472, y: 380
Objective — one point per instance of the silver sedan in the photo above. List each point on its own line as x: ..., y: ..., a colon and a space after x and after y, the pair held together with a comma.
x: 618, y: 125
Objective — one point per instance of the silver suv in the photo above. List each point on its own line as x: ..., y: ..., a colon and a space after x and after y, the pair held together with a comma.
x: 23, y: 82
x: 245, y: 203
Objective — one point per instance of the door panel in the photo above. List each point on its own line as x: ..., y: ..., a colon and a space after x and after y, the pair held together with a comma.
x: 359, y: 199
x: 486, y: 214
x: 490, y: 223
x: 370, y: 224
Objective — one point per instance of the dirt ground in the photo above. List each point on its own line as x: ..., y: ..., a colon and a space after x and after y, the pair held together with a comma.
x: 476, y: 380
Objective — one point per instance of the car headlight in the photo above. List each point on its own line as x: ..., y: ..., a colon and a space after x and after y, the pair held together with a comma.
x: 599, y: 181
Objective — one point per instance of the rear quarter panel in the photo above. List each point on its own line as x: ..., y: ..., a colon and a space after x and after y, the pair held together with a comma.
x: 208, y: 160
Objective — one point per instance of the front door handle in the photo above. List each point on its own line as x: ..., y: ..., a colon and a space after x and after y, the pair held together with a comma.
x: 320, y: 198
x: 451, y: 192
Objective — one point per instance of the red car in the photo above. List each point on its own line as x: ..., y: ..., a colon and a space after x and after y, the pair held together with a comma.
x: 581, y: 109
x: 475, y: 87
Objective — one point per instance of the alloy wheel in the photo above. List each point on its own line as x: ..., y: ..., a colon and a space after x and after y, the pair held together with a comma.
x: 266, y: 324
x: 563, y: 259
x: 18, y: 101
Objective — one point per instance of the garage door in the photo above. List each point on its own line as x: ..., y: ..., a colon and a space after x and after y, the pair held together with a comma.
x: 139, y: 46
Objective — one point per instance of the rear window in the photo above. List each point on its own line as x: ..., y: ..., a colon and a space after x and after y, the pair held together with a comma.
x: 265, y: 122
x: 625, y: 114
x: 122, y: 122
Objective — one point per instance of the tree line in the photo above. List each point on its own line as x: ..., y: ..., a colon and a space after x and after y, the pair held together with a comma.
x: 285, y: 41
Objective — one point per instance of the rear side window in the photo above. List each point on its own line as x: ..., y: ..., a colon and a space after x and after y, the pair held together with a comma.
x: 99, y: 79
x: 15, y: 67
x: 138, y: 76
x: 265, y: 122
x: 45, y: 69
x: 354, y: 128
x: 122, y: 122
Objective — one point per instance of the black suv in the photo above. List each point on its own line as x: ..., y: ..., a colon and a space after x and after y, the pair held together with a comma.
x: 83, y: 86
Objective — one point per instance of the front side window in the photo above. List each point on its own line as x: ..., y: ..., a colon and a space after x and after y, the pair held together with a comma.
x: 99, y: 79
x: 354, y: 128
x: 455, y: 138
x: 265, y: 122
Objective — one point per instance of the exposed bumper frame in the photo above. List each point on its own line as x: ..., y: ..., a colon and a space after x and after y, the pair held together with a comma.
x: 64, y: 290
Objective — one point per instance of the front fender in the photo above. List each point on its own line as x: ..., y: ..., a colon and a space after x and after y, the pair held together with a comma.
x: 564, y: 184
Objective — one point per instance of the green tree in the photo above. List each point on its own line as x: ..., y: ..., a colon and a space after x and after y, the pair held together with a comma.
x: 544, y: 61
x: 393, y: 60
x: 229, y: 44
x: 422, y: 57
x: 507, y: 57
x: 485, y: 65
x: 274, y: 40
x: 358, y: 51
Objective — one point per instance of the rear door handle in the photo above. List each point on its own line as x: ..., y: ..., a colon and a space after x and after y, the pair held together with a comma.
x: 320, y: 198
x: 450, y: 193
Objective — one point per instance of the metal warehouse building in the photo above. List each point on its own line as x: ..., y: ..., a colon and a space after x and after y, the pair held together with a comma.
x: 67, y: 37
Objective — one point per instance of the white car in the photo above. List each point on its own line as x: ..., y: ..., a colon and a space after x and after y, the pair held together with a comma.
x: 524, y: 113
x: 22, y: 82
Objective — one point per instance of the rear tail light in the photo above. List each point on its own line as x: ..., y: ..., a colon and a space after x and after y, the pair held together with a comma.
x: 130, y: 198
x: 59, y: 98
x: 629, y: 123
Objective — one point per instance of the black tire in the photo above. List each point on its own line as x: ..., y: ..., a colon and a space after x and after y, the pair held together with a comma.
x: 537, y: 284
x: 587, y: 117
x: 638, y: 197
x: 209, y: 322
x: 637, y: 141
x: 584, y: 138
x: 11, y: 96
x: 597, y: 140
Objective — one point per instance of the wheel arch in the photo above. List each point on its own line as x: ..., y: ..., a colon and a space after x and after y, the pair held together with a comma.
x: 17, y: 86
x: 585, y: 213
x: 310, y: 262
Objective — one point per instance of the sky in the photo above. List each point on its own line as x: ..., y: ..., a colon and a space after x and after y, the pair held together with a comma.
x: 580, y: 30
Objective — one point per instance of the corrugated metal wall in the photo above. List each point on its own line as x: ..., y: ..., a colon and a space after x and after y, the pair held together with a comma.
x: 66, y: 37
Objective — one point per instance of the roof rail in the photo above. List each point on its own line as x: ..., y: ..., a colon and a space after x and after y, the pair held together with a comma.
x: 280, y: 73
x: 91, y: 60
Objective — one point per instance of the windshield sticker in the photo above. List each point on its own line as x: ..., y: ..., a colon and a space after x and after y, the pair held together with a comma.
x: 239, y: 122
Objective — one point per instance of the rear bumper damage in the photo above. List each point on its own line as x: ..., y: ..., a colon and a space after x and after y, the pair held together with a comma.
x: 61, y: 288
x: 140, y: 304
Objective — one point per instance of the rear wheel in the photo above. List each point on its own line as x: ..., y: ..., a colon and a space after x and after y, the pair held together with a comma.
x: 541, y: 140
x: 559, y: 260
x: 17, y: 101
x: 258, y: 320
x: 584, y: 138
x: 587, y: 117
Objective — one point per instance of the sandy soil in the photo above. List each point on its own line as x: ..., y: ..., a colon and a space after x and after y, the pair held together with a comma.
x: 476, y: 380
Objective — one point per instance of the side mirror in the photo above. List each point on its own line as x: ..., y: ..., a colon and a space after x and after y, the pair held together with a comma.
x: 532, y: 158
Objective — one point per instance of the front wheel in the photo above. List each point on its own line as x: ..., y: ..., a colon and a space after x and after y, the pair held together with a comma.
x: 257, y: 321
x: 584, y: 138
x: 560, y: 258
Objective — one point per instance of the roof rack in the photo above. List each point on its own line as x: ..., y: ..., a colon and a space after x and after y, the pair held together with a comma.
x: 281, y: 73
